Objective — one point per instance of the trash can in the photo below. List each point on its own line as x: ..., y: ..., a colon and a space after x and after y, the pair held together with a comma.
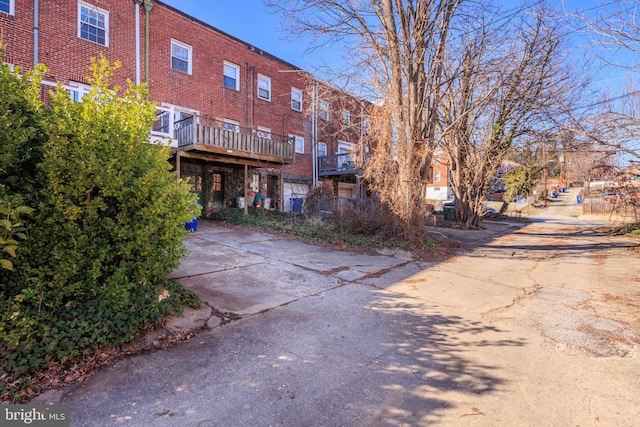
x: 579, y: 198
x: 296, y: 204
x: 449, y: 213
x: 240, y: 202
x: 193, y: 224
x: 266, y: 203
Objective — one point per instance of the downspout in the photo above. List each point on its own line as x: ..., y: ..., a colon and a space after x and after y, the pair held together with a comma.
x: 137, y: 43
x: 36, y: 31
x: 147, y: 8
x: 314, y: 133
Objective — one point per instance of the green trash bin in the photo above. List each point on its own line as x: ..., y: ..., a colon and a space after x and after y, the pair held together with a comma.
x: 449, y: 213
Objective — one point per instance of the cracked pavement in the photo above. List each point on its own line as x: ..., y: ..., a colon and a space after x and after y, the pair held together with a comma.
x: 536, y: 324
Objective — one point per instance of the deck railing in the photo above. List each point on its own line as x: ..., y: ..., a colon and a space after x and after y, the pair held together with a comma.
x: 336, y: 164
x: 241, y: 141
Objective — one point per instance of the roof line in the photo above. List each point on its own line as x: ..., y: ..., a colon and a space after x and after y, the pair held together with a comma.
x: 248, y: 45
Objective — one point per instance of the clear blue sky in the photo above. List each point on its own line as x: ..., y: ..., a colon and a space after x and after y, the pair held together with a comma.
x: 252, y: 22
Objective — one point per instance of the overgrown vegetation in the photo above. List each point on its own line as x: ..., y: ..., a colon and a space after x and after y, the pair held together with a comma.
x: 521, y: 181
x: 100, y: 221
x: 631, y: 229
x: 361, y: 225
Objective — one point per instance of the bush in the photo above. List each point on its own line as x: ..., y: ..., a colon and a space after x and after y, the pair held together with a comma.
x: 107, y: 230
x: 630, y: 229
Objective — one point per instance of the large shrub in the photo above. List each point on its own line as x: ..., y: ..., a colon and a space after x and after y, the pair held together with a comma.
x: 107, y: 230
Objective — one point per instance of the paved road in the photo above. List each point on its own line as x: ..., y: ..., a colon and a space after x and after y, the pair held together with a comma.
x: 537, y: 327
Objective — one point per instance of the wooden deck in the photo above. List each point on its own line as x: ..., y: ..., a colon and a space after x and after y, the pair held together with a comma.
x: 336, y: 164
x: 238, y: 144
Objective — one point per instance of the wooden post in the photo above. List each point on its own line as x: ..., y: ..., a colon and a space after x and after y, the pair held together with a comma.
x: 178, y: 164
x: 281, y: 197
x: 246, y: 196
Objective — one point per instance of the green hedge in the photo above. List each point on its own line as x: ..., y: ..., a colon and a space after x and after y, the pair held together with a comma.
x: 107, y: 226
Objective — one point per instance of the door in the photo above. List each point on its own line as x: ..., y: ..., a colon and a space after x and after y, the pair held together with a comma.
x: 217, y: 190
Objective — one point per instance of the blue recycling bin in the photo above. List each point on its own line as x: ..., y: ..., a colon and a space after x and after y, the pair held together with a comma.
x: 296, y: 204
x: 579, y: 198
x: 193, y: 224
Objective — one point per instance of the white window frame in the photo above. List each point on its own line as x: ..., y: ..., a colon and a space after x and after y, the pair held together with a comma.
x: 436, y: 177
x: 263, y: 132
x: 346, y: 117
x: 189, y: 56
x: 175, y: 111
x: 366, y: 126
x: 232, y: 125
x: 267, y: 82
x: 12, y: 7
x: 98, y: 10
x: 236, y: 67
x: 345, y: 147
x: 296, y: 97
x: 255, y: 183
x: 323, y: 151
x: 299, y: 143
x: 437, y: 157
x: 77, y: 91
x: 325, y: 108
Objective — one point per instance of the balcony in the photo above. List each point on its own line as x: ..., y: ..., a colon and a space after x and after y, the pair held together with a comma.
x: 336, y: 164
x: 231, y: 141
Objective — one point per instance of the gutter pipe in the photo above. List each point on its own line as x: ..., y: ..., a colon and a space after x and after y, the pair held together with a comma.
x: 147, y: 8
x: 36, y: 31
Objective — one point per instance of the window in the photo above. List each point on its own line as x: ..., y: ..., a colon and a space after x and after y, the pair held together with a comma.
x: 7, y: 6
x: 231, y: 125
x: 162, y: 123
x: 263, y: 132
x: 264, y: 87
x: 77, y: 91
x: 170, y: 118
x: 366, y: 126
x: 346, y: 117
x: 180, y: 56
x: 322, y: 149
x: 299, y: 141
x: 231, y: 76
x: 437, y: 157
x: 345, y: 154
x: 436, y: 177
x: 255, y: 182
x: 93, y: 24
x: 324, y: 110
x: 296, y: 99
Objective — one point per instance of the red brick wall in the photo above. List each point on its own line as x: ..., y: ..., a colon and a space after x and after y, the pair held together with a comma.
x: 204, y: 91
x: 17, y: 33
x: 67, y: 56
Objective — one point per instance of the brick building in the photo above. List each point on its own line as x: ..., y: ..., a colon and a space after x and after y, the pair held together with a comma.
x: 439, y: 189
x: 238, y: 119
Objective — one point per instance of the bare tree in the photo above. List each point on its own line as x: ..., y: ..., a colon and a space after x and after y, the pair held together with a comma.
x: 614, y: 31
x: 398, y: 49
x: 507, y: 79
x: 454, y: 74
